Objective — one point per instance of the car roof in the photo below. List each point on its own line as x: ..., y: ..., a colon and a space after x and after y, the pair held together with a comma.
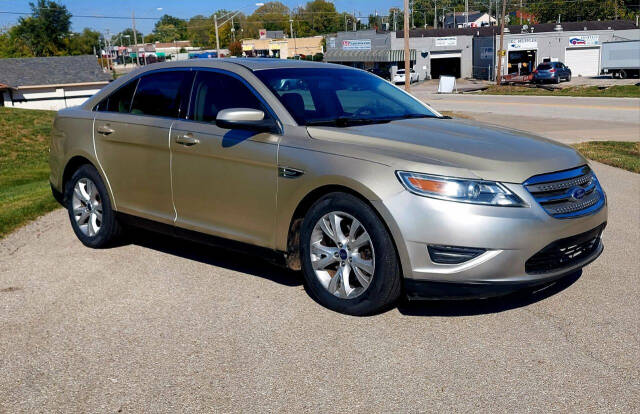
x: 252, y: 64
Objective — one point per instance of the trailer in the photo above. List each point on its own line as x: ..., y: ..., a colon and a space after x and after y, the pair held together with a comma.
x: 621, y: 59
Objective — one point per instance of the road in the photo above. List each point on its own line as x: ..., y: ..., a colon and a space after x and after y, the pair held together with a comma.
x: 160, y: 325
x: 566, y: 119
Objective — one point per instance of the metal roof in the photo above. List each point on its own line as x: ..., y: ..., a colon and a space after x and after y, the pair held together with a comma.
x: 57, y: 70
x: 517, y: 29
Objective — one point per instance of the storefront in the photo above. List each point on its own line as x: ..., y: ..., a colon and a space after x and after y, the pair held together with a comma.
x: 446, y: 52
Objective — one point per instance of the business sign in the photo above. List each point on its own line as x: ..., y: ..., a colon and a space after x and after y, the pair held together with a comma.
x: 360, y: 44
x: 523, y: 43
x: 486, y: 53
x: 263, y: 33
x: 446, y: 41
x: 584, y: 40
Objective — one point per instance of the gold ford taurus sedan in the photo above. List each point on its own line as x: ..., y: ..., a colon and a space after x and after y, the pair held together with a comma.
x: 370, y: 192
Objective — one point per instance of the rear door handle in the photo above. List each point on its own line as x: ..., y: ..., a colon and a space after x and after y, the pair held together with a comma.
x: 187, y: 139
x: 105, y: 130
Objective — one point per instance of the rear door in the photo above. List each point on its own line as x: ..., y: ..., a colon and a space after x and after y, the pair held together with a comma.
x: 224, y: 181
x: 131, y: 131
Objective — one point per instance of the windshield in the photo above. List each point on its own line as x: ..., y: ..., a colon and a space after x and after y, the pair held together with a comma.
x: 340, y: 97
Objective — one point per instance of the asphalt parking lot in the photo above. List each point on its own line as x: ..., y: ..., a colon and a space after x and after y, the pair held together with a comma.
x: 565, y: 119
x: 160, y: 325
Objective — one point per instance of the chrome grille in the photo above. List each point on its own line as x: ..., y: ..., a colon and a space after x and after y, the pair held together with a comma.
x: 567, y: 194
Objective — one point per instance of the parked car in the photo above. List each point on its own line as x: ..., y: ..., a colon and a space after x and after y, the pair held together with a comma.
x: 383, y: 73
x: 551, y: 72
x: 369, y: 191
x: 398, y: 78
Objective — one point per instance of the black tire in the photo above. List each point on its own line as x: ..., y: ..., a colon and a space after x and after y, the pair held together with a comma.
x: 556, y: 80
x: 569, y: 78
x: 110, y: 229
x: 386, y: 283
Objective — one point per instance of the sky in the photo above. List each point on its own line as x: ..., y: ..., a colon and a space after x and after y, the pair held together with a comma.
x: 156, y: 8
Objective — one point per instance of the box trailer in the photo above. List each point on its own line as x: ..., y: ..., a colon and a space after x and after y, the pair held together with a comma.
x: 621, y: 59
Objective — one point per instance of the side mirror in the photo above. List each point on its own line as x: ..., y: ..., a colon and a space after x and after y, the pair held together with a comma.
x: 245, y: 118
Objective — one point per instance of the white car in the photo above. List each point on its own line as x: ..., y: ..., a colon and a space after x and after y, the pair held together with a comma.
x: 399, y: 76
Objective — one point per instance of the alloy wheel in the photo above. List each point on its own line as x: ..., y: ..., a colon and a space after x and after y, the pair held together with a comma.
x: 342, y: 255
x: 87, y: 207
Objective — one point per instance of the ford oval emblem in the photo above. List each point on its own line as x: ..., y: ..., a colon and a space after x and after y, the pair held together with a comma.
x: 577, y: 193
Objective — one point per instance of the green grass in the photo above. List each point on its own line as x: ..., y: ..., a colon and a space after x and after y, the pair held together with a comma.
x: 24, y: 171
x: 617, y: 91
x: 625, y: 155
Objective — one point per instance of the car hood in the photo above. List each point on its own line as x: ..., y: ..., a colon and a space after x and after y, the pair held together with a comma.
x: 453, y: 147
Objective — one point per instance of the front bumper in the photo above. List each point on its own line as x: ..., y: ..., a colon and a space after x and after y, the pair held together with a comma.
x: 511, y: 235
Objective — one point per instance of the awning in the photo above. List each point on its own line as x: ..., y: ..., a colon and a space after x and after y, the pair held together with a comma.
x: 247, y: 48
x: 339, y: 55
x: 398, y: 55
x: 160, y: 54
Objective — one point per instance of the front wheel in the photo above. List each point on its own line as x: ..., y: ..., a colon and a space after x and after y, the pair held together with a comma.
x: 92, y: 218
x: 349, y: 261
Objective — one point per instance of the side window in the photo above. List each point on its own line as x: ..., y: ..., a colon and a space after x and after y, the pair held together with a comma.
x: 159, y: 94
x: 120, y: 100
x: 213, y: 92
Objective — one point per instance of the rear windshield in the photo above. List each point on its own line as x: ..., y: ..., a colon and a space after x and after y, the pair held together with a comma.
x: 400, y: 71
x: 544, y: 66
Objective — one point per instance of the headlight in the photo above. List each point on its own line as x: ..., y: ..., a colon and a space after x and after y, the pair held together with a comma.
x: 461, y: 190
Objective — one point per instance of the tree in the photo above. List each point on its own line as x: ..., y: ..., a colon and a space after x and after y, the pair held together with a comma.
x: 13, y: 46
x: 170, y: 28
x: 83, y: 43
x: 272, y: 15
x: 126, y: 37
x: 548, y: 11
x: 235, y: 48
x: 198, y: 28
x: 44, y: 32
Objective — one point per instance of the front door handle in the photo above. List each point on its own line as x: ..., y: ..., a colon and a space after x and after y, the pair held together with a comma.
x: 187, y: 139
x: 105, y: 130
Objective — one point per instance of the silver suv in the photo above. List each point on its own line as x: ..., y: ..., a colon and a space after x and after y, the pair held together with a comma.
x: 332, y: 170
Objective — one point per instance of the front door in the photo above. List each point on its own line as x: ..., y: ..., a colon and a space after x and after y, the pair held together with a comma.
x: 131, y: 131
x: 224, y: 181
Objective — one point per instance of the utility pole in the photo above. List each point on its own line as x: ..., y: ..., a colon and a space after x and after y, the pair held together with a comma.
x: 215, y: 22
x: 435, y: 14
x: 345, y: 22
x: 425, y: 18
x: 520, y: 12
x: 355, y: 20
x: 407, y: 56
x: 295, y: 49
x: 413, y: 22
x: 135, y: 37
x: 501, y: 52
x: 466, y: 13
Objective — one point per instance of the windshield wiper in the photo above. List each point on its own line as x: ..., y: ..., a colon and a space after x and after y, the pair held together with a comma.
x: 412, y: 116
x: 346, y: 121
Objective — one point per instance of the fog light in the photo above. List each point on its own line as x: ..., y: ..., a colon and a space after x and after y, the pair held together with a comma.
x: 453, y: 254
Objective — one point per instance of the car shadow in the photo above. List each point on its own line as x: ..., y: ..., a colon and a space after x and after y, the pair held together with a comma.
x: 255, y: 265
x: 487, y: 306
x: 216, y: 256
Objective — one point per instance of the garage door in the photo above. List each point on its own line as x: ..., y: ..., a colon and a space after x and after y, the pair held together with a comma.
x: 583, y: 61
x: 445, y: 63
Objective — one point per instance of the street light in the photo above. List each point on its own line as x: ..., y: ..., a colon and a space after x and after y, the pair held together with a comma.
x: 233, y: 14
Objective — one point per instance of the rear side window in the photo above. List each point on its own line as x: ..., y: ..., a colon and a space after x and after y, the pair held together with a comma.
x: 214, y: 91
x: 120, y: 100
x: 159, y: 94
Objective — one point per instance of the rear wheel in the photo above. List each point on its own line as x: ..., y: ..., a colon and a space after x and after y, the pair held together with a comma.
x: 92, y: 218
x: 348, y: 258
